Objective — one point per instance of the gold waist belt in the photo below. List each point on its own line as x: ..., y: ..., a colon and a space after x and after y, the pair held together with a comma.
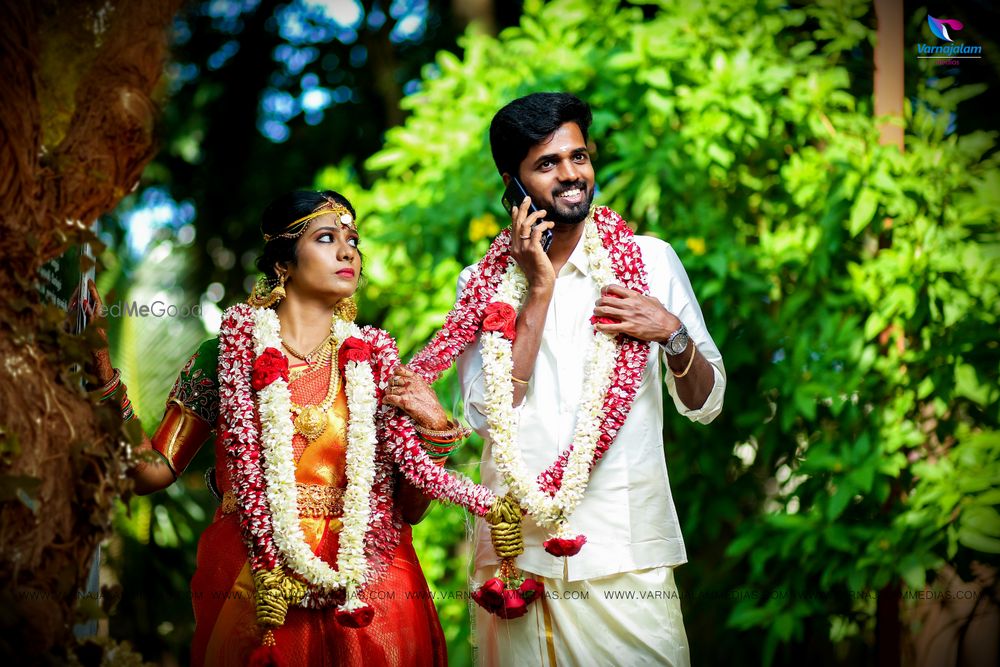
x: 315, y: 500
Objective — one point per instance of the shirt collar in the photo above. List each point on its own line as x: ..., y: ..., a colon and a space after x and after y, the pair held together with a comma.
x: 578, y: 259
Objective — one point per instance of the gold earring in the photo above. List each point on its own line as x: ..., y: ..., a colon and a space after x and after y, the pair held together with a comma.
x: 346, y: 309
x: 265, y: 293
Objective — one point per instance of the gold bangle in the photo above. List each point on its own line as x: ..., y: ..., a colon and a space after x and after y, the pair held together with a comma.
x: 518, y: 380
x: 694, y: 351
x: 454, y: 434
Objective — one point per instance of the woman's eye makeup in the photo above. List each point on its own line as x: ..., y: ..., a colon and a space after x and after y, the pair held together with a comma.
x: 328, y: 237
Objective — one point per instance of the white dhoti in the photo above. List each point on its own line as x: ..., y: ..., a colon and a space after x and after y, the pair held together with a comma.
x: 632, y: 618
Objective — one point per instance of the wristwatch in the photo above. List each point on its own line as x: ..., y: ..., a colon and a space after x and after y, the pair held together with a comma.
x: 678, y: 342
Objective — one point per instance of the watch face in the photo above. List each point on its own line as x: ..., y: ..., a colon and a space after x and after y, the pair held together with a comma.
x: 678, y: 342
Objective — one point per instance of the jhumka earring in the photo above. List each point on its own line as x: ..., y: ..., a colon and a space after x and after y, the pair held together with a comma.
x: 346, y: 309
x: 266, y: 293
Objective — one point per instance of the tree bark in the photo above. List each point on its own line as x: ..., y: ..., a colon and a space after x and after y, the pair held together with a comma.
x: 76, y: 130
x: 888, y: 90
x: 480, y: 11
x: 889, y: 69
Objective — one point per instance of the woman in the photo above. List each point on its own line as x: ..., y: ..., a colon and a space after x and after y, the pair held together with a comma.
x: 309, y: 559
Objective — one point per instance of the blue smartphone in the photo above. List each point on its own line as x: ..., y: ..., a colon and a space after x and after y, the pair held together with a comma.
x: 513, y: 196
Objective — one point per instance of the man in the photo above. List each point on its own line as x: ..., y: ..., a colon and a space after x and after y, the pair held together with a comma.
x: 615, y: 602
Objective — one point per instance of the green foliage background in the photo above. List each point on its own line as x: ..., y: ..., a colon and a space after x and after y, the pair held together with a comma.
x: 849, y: 286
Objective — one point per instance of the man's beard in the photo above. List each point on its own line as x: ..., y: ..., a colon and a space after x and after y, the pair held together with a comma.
x: 569, y: 214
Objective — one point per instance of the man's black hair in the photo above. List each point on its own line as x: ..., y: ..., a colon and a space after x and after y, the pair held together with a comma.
x: 530, y: 119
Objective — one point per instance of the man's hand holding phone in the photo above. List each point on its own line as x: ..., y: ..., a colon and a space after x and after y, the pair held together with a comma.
x: 527, y: 229
x: 513, y: 195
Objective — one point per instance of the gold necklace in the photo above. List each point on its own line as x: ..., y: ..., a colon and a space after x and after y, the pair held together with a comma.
x: 312, y: 420
x: 308, y: 357
x: 324, y: 359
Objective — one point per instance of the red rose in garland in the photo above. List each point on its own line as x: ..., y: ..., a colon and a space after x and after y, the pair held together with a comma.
x: 353, y: 349
x: 506, y: 601
x: 530, y: 589
x: 489, y: 596
x: 561, y: 547
x: 600, y: 319
x: 595, y: 319
x: 514, y: 605
x: 358, y: 618
x: 268, y: 367
x: 502, y: 318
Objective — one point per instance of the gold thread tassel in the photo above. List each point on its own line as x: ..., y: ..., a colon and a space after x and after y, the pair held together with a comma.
x: 505, y: 527
x: 274, y: 592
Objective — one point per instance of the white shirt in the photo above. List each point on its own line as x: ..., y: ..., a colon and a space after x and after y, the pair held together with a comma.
x: 627, y: 512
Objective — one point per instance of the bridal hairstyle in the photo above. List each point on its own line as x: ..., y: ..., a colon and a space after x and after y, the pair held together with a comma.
x: 283, y: 211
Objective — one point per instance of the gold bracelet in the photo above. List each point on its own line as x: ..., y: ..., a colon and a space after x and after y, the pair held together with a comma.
x: 454, y: 434
x: 518, y: 380
x: 694, y: 351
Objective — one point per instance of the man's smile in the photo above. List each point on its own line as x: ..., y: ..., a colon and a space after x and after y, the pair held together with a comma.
x: 571, y: 196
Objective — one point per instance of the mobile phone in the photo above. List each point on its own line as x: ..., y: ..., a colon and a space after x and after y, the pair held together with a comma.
x: 513, y: 196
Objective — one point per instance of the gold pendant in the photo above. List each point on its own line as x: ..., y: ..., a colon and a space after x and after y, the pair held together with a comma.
x: 311, y: 422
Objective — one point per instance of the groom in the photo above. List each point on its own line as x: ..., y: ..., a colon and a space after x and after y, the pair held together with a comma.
x: 615, y: 602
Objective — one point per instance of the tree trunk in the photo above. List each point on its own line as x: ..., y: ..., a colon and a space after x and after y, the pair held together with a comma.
x: 889, y: 69
x: 889, y: 102
x: 382, y: 59
x: 76, y: 130
x: 480, y: 11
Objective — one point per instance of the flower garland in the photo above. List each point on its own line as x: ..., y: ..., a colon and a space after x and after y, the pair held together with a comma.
x: 261, y: 461
x: 275, y: 404
x: 550, y: 511
x: 626, y: 260
x: 614, y: 369
x: 240, y: 436
x: 621, y: 259
x: 507, y: 596
x: 396, y: 432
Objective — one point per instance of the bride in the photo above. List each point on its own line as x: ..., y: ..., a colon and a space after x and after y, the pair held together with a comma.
x: 309, y: 559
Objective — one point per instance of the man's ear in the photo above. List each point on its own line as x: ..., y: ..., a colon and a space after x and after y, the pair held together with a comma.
x: 506, y: 179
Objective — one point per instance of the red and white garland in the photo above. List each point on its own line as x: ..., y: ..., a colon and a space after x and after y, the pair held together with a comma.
x: 240, y: 436
x: 614, y: 257
x: 274, y: 402
x: 253, y: 378
x: 551, y: 511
